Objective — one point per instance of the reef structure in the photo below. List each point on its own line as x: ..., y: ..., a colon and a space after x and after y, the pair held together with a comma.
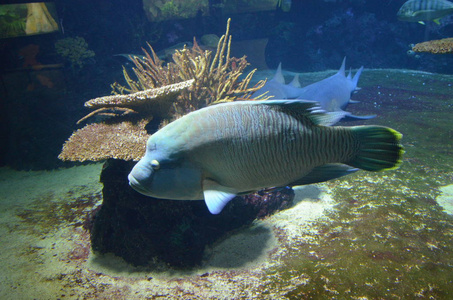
x: 75, y: 51
x: 161, y: 93
x: 442, y: 46
x: 142, y: 229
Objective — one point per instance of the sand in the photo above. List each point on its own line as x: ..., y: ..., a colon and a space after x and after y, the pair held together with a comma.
x: 446, y: 198
x: 44, y: 257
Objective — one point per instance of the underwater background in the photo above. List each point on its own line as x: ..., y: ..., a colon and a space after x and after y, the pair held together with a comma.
x: 385, y: 235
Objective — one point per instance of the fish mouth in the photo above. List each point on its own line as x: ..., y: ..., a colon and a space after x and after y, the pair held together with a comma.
x: 135, y: 184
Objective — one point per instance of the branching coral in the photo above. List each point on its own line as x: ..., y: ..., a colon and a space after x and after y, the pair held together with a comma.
x: 75, y: 50
x: 216, y: 79
x: 442, y: 46
x: 161, y: 92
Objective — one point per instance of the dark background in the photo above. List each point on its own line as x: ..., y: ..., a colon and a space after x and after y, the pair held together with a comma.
x: 313, y: 36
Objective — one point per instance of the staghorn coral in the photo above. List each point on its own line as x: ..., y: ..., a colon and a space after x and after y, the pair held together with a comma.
x: 161, y: 92
x: 216, y: 79
x: 75, y: 50
x: 442, y: 46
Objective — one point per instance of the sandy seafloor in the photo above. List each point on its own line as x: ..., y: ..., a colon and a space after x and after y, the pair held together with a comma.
x: 386, y: 235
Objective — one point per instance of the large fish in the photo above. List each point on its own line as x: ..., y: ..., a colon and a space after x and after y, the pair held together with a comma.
x: 424, y: 10
x: 333, y: 93
x: 236, y: 148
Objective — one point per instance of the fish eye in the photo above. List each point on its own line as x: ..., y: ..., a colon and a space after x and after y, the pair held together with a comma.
x: 155, y: 164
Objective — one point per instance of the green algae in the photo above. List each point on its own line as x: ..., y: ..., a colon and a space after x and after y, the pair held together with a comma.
x: 387, y: 238
x: 50, y: 212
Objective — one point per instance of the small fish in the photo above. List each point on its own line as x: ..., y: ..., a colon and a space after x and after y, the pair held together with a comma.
x: 237, y: 148
x: 424, y: 10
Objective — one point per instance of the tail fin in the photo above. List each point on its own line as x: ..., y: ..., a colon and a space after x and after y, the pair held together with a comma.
x: 379, y: 148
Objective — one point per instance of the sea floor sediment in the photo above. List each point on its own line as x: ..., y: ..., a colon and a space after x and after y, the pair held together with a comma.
x: 385, y: 235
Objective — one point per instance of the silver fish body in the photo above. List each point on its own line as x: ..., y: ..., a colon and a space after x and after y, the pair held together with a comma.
x: 424, y: 10
x: 235, y: 148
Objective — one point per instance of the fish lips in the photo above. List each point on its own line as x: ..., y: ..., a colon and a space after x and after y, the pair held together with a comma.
x: 136, y: 185
x: 140, y: 178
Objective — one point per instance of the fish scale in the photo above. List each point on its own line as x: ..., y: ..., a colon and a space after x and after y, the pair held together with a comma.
x: 224, y: 150
x: 261, y: 152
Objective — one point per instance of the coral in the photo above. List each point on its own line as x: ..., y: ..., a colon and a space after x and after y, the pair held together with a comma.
x: 216, y: 79
x: 123, y: 139
x: 150, y: 100
x: 198, y: 79
x: 75, y: 50
x: 174, y: 9
x: 144, y: 230
x: 442, y: 46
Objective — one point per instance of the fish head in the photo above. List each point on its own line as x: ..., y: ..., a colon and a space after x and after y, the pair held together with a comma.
x: 406, y: 13
x: 166, y: 174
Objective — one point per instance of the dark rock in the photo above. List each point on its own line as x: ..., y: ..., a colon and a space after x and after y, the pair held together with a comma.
x: 140, y: 228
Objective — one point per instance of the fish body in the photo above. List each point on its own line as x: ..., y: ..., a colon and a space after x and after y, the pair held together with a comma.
x: 277, y: 89
x: 424, y: 10
x: 236, y: 148
x: 333, y: 93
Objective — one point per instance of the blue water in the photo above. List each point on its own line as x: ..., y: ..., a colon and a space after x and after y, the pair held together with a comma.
x: 385, y: 235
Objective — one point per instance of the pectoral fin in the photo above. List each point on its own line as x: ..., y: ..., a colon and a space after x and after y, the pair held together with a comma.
x: 216, y: 196
x: 324, y: 173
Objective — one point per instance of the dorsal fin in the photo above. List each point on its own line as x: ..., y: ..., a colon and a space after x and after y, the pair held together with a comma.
x: 295, y: 82
x: 356, y: 77
x: 278, y: 75
x: 349, y: 74
x: 305, y: 108
x: 342, y: 68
